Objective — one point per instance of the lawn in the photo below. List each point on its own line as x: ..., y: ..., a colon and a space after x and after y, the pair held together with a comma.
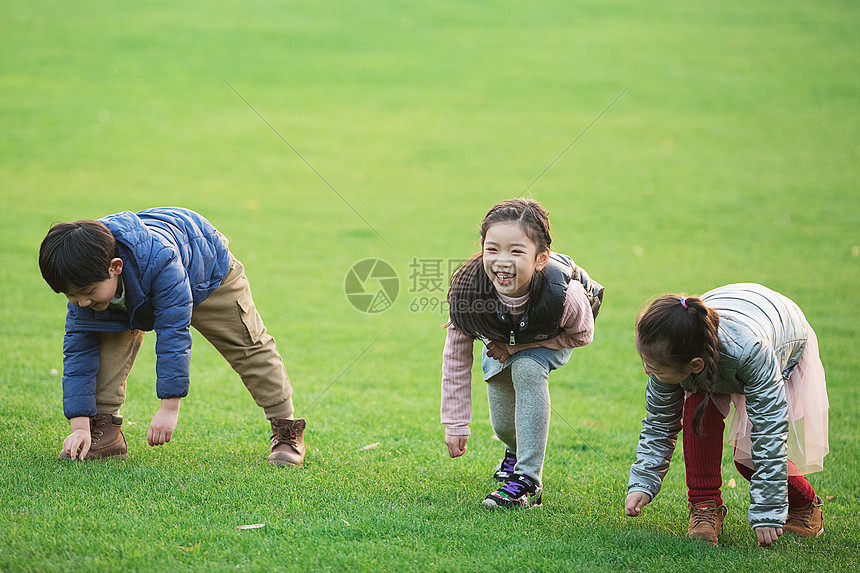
x: 317, y: 135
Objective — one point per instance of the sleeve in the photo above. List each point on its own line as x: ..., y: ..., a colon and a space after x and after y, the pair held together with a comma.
x: 764, y: 392
x: 80, y: 367
x: 577, y: 322
x: 456, y: 410
x: 664, y: 404
x: 172, y: 305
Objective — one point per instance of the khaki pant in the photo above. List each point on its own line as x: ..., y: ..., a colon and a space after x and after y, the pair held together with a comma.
x: 230, y: 322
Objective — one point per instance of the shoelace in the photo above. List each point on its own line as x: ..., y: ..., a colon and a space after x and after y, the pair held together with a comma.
x: 286, y: 435
x: 96, y: 431
x: 804, y: 515
x: 514, y: 488
x: 708, y: 516
x: 509, y: 463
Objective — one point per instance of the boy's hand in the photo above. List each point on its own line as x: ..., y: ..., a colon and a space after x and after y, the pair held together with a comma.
x: 767, y: 535
x: 635, y: 502
x: 456, y: 445
x: 498, y: 351
x: 164, y: 422
x: 77, y: 444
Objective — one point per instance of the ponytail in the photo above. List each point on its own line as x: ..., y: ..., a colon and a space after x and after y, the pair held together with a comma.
x: 709, y: 322
x: 675, y: 330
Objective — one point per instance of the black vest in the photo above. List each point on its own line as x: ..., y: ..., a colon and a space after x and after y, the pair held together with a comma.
x: 542, y: 318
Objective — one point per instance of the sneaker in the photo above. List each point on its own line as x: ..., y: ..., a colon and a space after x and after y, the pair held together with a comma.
x: 288, y: 442
x: 806, y: 521
x: 519, y: 491
x: 706, y: 521
x: 107, y: 438
x: 506, y: 467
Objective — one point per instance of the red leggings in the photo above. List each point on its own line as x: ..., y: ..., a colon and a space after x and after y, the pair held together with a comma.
x: 703, y: 455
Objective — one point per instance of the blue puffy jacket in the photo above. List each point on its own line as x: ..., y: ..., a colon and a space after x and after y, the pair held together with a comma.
x: 173, y: 259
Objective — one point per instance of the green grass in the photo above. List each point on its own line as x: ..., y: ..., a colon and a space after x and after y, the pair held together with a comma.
x: 732, y: 157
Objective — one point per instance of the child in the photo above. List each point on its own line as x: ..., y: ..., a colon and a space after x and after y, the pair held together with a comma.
x: 160, y: 269
x: 746, y: 345
x: 530, y: 307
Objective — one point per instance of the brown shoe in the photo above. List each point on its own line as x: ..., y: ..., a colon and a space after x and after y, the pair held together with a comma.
x: 806, y: 521
x: 288, y: 442
x: 108, y: 440
x: 706, y: 521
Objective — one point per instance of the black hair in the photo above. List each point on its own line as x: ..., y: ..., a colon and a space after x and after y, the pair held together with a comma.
x: 472, y: 301
x: 77, y: 254
x: 671, y: 333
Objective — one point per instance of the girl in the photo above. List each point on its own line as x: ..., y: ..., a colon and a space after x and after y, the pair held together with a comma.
x: 530, y: 307
x: 746, y: 345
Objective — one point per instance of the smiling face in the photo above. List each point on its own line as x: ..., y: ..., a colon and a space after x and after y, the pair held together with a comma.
x: 511, y: 258
x: 98, y: 295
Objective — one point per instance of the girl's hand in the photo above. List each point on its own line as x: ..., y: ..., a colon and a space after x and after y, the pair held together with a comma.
x: 767, y: 535
x: 163, y: 423
x: 456, y: 445
x: 635, y: 502
x: 498, y: 351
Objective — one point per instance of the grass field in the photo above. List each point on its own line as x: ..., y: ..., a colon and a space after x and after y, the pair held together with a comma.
x: 733, y: 156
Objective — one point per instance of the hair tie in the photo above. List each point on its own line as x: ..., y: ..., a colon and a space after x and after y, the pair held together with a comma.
x: 684, y: 302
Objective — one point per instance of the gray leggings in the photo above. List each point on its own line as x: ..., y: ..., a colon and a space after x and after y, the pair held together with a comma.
x: 520, y: 411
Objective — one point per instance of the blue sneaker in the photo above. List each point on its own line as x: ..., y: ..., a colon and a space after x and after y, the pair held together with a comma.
x: 506, y: 468
x: 520, y: 491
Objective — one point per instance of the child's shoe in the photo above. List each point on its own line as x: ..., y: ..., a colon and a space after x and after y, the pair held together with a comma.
x: 519, y: 491
x: 288, y: 442
x: 806, y: 521
x: 706, y: 521
x: 107, y: 438
x: 506, y: 467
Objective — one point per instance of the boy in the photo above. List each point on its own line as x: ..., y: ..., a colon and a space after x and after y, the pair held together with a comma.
x: 161, y: 269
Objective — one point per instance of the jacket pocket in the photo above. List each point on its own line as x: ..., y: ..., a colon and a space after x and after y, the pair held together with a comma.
x: 254, y: 327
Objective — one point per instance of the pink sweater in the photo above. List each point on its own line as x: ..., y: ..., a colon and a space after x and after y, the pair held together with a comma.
x: 578, y: 330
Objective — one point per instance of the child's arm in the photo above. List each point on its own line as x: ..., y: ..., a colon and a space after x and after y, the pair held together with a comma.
x: 767, y: 409
x: 456, y: 408
x: 172, y: 303
x: 577, y: 323
x: 164, y: 422
x: 664, y: 403
x: 80, y: 367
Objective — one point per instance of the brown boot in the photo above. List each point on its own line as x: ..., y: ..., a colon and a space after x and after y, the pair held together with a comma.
x: 107, y: 438
x: 806, y: 521
x: 706, y: 521
x: 288, y: 442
